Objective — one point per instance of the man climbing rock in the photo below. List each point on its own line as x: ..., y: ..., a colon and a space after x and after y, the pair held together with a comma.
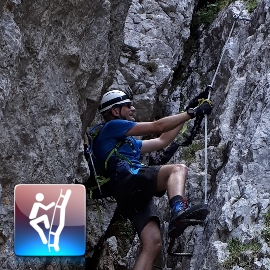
x: 133, y: 184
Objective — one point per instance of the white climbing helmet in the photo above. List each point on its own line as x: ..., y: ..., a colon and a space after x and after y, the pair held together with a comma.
x: 112, y: 98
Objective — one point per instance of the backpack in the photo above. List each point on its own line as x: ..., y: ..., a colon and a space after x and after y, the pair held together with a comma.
x: 98, y: 184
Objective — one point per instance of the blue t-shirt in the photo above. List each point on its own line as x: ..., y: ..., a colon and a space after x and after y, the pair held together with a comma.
x: 112, y: 133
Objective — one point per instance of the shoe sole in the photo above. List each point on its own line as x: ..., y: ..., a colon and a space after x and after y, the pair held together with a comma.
x: 193, y: 216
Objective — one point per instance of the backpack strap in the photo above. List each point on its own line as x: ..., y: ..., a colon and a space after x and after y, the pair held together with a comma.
x: 100, y: 179
x: 114, y: 151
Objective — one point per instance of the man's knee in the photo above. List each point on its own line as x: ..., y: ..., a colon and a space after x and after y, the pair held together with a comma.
x: 154, y: 243
x: 151, y: 238
x: 180, y: 168
x: 172, y: 172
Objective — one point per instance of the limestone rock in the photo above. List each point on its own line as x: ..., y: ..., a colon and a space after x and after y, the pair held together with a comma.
x: 58, y: 58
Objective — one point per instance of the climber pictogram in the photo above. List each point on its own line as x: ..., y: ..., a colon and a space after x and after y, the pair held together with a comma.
x: 49, y: 220
x: 44, y: 218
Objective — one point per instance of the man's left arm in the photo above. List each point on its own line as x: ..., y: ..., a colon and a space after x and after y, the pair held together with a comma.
x: 167, y: 137
x: 161, y: 142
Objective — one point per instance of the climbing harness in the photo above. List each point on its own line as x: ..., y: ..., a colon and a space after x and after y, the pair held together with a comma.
x: 193, y: 222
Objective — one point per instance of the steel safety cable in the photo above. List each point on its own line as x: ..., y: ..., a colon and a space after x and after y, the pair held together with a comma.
x: 209, y: 95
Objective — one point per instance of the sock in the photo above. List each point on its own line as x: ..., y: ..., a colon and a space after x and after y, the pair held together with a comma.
x: 177, y: 203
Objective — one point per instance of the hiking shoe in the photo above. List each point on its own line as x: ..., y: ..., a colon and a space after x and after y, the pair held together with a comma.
x: 186, y: 217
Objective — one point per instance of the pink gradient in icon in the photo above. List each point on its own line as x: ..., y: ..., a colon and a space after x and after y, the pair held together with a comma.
x: 49, y: 220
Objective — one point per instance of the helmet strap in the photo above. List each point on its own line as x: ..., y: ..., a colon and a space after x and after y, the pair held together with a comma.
x: 118, y: 117
x: 122, y: 117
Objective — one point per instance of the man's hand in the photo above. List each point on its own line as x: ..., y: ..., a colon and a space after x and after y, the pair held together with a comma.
x: 205, y: 108
x: 203, y: 95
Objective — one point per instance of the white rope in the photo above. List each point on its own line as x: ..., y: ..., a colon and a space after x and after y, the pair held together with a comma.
x: 209, y: 95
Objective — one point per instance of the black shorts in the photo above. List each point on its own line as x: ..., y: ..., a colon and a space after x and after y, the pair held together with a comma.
x: 134, y: 195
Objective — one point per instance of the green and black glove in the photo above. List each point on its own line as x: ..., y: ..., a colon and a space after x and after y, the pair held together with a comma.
x: 204, y: 109
x: 203, y: 95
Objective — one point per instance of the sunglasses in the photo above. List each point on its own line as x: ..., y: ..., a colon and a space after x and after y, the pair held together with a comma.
x: 128, y: 104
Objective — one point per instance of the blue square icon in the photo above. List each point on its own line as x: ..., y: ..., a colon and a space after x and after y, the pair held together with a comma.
x: 49, y: 220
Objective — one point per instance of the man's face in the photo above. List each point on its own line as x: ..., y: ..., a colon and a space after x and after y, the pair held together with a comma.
x: 126, y: 111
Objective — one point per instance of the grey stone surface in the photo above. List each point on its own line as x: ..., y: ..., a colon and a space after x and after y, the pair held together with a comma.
x: 58, y: 58
x: 238, y: 131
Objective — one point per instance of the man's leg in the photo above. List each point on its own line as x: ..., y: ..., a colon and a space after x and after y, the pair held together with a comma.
x: 172, y: 178
x: 151, y: 246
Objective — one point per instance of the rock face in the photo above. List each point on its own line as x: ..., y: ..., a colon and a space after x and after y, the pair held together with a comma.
x: 239, y: 129
x: 155, y: 32
x: 57, y: 58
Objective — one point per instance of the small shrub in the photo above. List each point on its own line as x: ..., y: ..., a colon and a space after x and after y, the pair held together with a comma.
x: 151, y: 66
x: 251, y: 6
x: 188, y: 153
x: 237, y: 250
x: 207, y: 14
x: 266, y: 232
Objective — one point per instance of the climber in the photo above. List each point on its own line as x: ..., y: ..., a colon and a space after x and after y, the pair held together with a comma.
x: 133, y: 184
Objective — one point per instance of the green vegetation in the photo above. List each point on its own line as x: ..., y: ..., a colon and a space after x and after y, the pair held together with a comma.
x: 151, y: 66
x: 124, y: 232
x: 266, y: 232
x: 242, y: 255
x: 188, y: 153
x: 252, y: 4
x: 207, y: 14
